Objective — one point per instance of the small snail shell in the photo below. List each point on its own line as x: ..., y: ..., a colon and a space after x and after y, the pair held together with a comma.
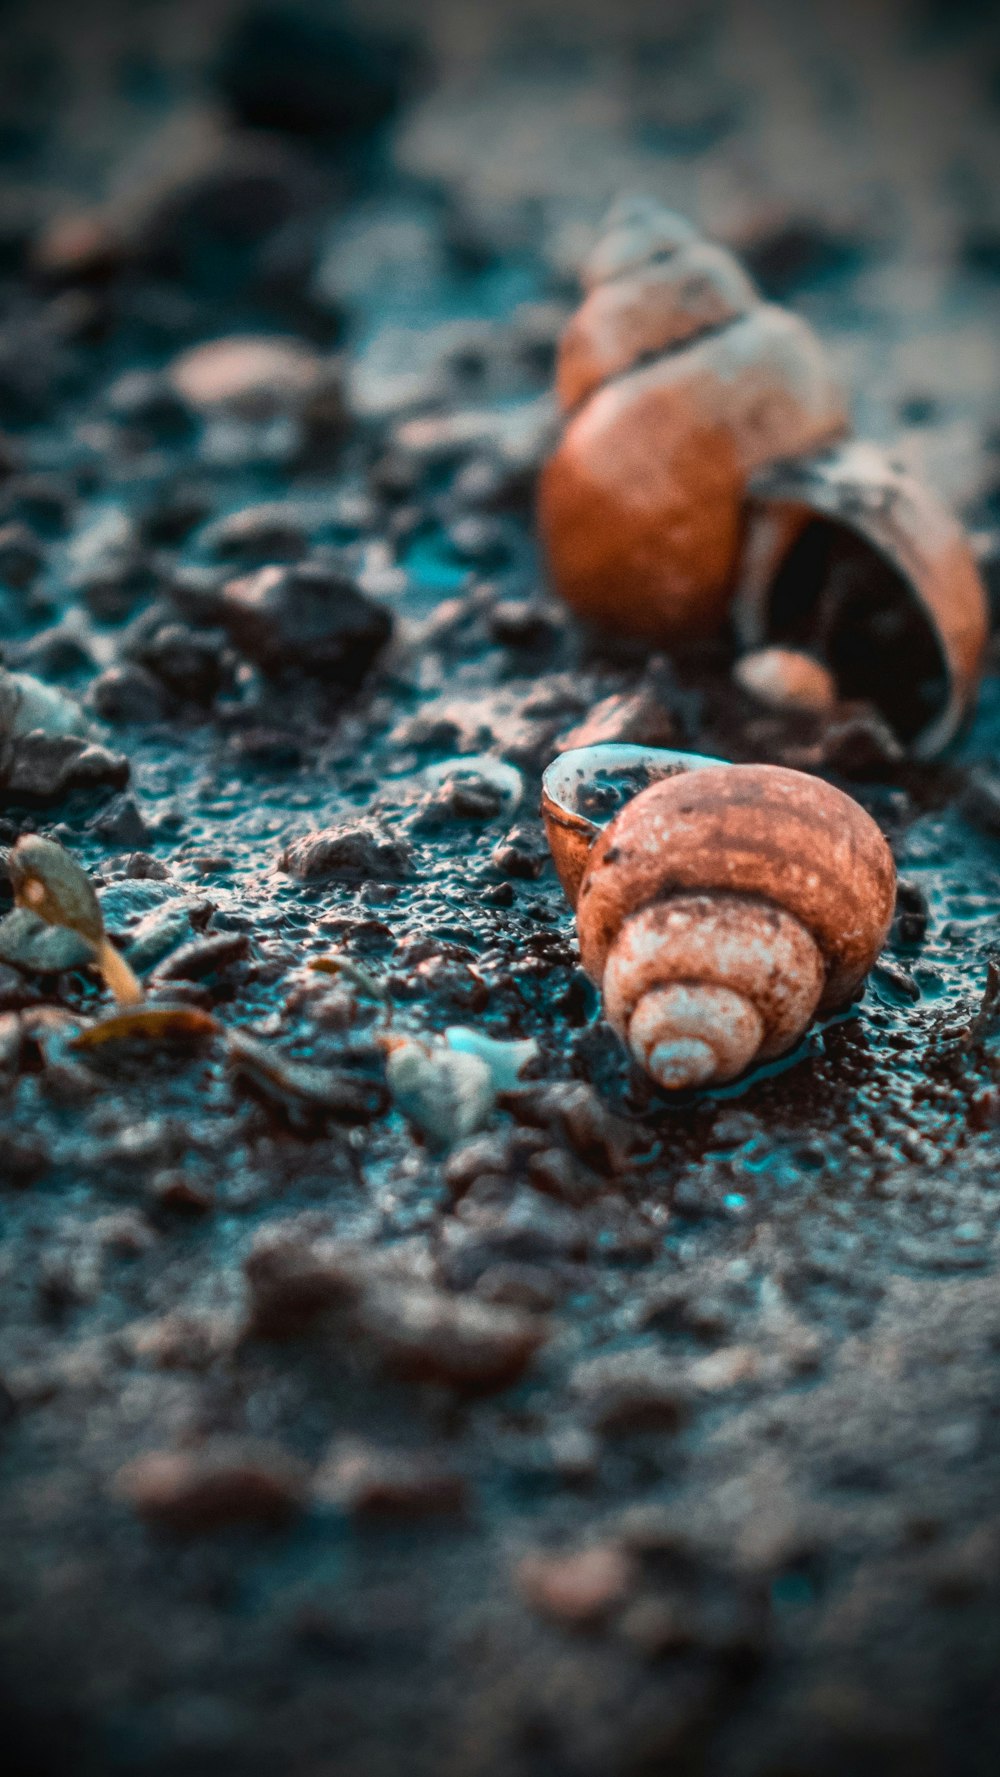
x: 857, y: 562
x: 722, y: 908
x: 678, y: 383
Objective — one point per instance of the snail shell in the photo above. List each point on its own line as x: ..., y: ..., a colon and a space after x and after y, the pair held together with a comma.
x: 722, y: 908
x: 856, y: 561
x: 678, y: 383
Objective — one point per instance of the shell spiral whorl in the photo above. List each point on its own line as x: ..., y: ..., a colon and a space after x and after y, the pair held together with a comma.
x: 700, y: 986
x: 722, y: 909
x: 678, y: 383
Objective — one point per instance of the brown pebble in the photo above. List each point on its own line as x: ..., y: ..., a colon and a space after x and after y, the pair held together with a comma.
x: 253, y: 376
x: 223, y: 1483
x: 428, y: 1335
x: 625, y: 716
x: 367, y: 1481
x: 626, y: 1390
x: 578, y: 1589
x: 785, y: 679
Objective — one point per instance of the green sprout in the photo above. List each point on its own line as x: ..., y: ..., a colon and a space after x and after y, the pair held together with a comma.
x: 51, y: 884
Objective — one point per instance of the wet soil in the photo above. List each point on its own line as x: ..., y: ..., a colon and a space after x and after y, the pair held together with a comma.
x: 618, y: 1436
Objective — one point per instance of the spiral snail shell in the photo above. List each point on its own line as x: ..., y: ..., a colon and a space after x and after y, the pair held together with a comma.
x: 721, y: 908
x: 678, y: 382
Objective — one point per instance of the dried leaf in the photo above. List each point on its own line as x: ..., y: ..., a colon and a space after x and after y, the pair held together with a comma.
x: 303, y: 1092
x: 153, y: 1022
x: 354, y: 973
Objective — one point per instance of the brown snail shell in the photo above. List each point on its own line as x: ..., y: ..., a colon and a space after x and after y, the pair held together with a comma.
x: 856, y: 561
x: 679, y: 383
x: 722, y: 908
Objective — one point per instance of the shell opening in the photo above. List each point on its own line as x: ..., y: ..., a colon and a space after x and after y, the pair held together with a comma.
x: 835, y: 595
x: 690, y: 1033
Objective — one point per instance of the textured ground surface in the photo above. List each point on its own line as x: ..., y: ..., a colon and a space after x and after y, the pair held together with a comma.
x: 619, y: 1439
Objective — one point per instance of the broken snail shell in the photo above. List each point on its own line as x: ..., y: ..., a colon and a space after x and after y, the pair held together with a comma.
x: 678, y: 382
x: 721, y: 908
x: 856, y: 562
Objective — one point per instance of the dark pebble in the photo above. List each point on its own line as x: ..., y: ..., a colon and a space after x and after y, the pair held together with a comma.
x: 909, y: 927
x: 309, y: 619
x: 523, y: 853
x: 21, y: 555
x: 173, y: 514
x: 44, y: 768
x: 630, y: 1390
x: 980, y: 801
x: 293, y: 1279
x: 52, y: 654
x: 45, y: 501
x: 114, y: 588
x: 285, y: 69
x: 122, y: 824
x: 268, y: 533
x: 429, y: 1336
x: 235, y: 190
x: 190, y: 662
x: 145, y: 398
x: 209, y: 955
x: 128, y: 694
x: 24, y: 1158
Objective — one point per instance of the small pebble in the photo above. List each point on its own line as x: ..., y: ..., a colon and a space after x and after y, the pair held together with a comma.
x: 223, y: 1483
x: 254, y: 376
x: 579, y: 1589
x: 785, y: 679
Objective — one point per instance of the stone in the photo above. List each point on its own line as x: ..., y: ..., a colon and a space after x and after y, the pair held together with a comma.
x: 190, y: 662
x: 523, y: 854
x: 122, y: 824
x: 32, y: 944
x: 303, y: 1094
x: 249, y: 376
x: 196, y: 187
x: 293, y: 1279
x: 362, y: 853
x: 128, y: 694
x: 366, y: 1480
x: 309, y: 619
x: 629, y: 1390
x: 43, y: 768
x: 21, y: 555
x: 446, y: 1095
x: 640, y: 716
x: 28, y: 706
x: 427, y: 1335
x: 579, y: 1589
x: 204, y: 956
x: 221, y: 1483
x: 282, y: 68
x: 269, y: 533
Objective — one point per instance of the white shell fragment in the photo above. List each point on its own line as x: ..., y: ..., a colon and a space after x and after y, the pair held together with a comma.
x: 446, y: 1094
x: 505, y: 1059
